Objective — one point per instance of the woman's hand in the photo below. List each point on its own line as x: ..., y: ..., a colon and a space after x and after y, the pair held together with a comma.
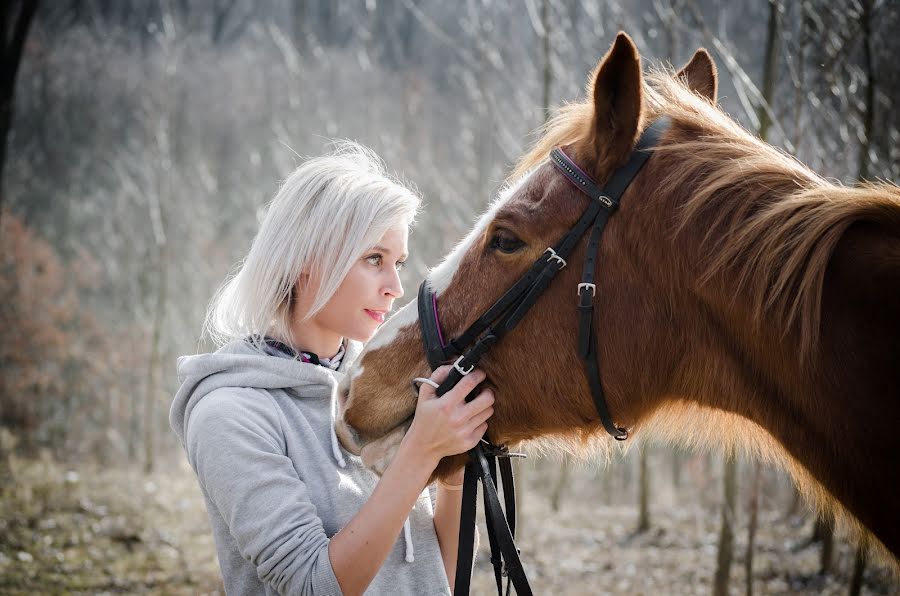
x: 442, y: 426
x: 448, y: 425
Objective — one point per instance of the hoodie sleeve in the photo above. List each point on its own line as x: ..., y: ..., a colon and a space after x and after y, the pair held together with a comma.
x: 235, y: 443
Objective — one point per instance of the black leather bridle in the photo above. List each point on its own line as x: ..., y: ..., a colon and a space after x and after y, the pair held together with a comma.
x: 466, y: 351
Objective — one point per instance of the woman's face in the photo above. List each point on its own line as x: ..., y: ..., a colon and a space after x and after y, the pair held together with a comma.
x: 364, y: 298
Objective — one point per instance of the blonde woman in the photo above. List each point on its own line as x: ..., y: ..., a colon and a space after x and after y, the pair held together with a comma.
x: 291, y: 511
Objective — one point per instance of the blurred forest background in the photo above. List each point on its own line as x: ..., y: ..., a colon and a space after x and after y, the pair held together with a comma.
x: 139, y: 140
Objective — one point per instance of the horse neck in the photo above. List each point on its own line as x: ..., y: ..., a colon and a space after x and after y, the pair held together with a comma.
x: 834, y: 408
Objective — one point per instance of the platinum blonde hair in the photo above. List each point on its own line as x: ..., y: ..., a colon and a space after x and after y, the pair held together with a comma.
x: 326, y: 215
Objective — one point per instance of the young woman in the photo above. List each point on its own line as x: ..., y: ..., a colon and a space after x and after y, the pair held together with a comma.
x: 291, y: 511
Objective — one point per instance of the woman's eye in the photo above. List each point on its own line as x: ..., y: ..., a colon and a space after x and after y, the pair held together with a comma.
x: 506, y: 243
x: 378, y: 261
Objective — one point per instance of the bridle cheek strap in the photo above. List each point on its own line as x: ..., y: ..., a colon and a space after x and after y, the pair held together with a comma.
x: 501, y: 318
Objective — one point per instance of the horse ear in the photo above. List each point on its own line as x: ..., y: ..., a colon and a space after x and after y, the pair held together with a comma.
x: 700, y: 75
x: 617, y: 102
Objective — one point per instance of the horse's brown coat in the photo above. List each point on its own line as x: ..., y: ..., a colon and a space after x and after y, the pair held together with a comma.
x: 741, y: 300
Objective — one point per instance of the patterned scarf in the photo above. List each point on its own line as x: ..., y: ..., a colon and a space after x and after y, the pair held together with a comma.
x: 332, y: 363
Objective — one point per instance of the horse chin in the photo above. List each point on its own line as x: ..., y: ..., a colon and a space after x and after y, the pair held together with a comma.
x: 379, y: 453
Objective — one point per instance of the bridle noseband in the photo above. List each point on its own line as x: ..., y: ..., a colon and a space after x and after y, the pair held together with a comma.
x: 466, y: 351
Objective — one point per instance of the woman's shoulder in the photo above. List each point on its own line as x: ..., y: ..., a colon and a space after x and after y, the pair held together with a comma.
x: 240, y: 406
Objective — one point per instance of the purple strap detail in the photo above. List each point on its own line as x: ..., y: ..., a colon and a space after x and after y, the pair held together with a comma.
x: 437, y: 322
x: 575, y: 165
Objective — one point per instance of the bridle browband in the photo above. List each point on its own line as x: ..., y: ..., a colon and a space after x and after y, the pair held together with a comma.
x: 466, y: 351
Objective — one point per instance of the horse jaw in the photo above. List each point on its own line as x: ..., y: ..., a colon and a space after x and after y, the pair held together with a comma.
x: 378, y: 454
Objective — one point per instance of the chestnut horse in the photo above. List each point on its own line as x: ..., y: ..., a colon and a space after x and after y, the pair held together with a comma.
x: 742, y: 301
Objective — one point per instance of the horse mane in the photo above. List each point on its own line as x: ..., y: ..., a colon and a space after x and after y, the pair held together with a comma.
x: 769, y: 222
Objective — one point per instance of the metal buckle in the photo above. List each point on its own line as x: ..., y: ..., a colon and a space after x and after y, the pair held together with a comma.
x: 554, y: 256
x: 591, y: 286
x: 459, y: 369
x: 605, y: 200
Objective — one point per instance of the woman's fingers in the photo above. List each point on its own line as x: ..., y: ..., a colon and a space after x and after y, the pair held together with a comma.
x: 465, y: 386
x: 484, y: 400
x: 448, y: 425
x: 480, y: 418
x: 477, y: 434
x: 439, y: 375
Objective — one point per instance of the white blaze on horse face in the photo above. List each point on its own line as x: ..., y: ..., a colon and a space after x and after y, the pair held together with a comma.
x: 440, y: 278
x: 387, y: 333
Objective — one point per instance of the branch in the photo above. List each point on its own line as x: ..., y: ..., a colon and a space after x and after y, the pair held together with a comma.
x: 12, y: 56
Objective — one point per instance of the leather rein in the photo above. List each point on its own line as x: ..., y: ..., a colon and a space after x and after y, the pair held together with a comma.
x: 467, y: 350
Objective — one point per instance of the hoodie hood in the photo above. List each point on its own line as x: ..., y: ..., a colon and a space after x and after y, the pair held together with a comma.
x: 240, y: 364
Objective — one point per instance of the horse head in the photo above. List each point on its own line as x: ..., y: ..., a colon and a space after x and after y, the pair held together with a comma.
x: 729, y: 285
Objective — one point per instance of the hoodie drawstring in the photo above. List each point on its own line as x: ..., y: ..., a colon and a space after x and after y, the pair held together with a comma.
x: 335, y: 446
x: 407, y: 537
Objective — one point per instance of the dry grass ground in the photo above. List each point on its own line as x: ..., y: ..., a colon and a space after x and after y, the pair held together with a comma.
x: 93, y: 530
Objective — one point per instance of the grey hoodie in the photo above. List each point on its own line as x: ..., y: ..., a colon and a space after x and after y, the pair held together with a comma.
x: 258, y: 432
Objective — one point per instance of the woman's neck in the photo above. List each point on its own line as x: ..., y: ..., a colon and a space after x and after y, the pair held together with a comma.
x: 307, y: 336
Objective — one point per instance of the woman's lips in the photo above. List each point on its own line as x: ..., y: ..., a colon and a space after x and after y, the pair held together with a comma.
x: 378, y: 315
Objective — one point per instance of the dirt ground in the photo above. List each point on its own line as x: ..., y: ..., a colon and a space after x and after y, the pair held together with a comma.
x: 90, y: 531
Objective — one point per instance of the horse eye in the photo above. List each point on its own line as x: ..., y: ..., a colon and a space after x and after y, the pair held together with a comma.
x: 506, y: 243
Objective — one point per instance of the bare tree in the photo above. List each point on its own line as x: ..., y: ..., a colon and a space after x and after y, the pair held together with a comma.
x: 868, y: 117
x: 770, y: 63
x: 15, y: 20
x: 859, y: 567
x: 158, y: 218
x: 859, y: 563
x: 726, y: 528
x: 643, y: 492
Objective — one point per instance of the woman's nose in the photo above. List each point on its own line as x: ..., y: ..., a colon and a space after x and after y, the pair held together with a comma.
x: 394, y: 286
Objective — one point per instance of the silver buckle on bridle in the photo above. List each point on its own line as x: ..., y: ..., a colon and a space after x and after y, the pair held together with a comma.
x: 459, y: 369
x: 553, y: 255
x: 592, y: 287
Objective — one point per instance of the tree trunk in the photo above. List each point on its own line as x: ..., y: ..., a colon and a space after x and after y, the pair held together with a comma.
x: 769, y: 69
x: 726, y: 532
x: 859, y: 564
x: 644, y: 493
x: 823, y: 531
x: 751, y: 525
x: 562, y: 481
x: 548, y: 66
x: 150, y: 398
x: 859, y: 567
x: 869, y: 108
x: 10, y: 59
x: 158, y: 213
x: 675, y: 462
